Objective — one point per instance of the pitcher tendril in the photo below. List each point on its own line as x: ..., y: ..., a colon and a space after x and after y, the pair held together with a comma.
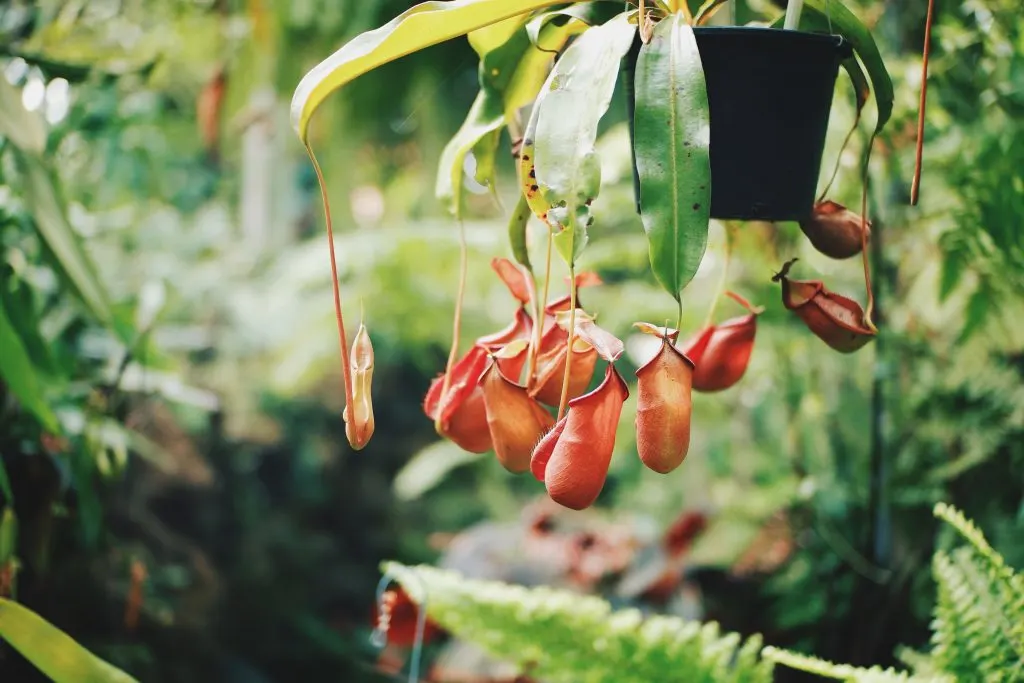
x: 915, y: 186
x: 563, y: 401
x: 456, y: 321
x: 342, y: 338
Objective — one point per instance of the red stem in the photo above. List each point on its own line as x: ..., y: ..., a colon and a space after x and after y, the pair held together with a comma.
x: 915, y: 186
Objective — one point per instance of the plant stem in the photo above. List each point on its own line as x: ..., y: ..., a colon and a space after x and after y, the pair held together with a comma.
x: 342, y: 338
x: 679, y: 316
x: 568, y: 351
x: 869, y: 308
x: 538, y: 319
x: 915, y: 185
x: 456, y: 324
x: 725, y: 275
x: 793, y: 10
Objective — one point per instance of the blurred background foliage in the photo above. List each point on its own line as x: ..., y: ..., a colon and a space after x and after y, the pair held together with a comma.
x: 171, y: 388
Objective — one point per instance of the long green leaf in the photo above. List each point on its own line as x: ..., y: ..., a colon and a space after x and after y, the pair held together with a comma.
x: 43, y: 200
x: 832, y: 16
x: 51, y: 650
x: 25, y: 129
x: 672, y: 140
x: 19, y: 374
x: 568, y: 110
x: 426, y: 24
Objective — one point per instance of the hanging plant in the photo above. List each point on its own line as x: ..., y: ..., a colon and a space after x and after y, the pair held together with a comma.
x: 725, y: 122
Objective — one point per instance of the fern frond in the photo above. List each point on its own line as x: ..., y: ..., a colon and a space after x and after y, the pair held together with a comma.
x: 845, y: 672
x: 973, y: 535
x: 563, y: 637
x: 990, y: 593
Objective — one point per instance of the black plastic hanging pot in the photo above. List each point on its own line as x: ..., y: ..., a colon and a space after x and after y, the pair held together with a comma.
x: 770, y: 93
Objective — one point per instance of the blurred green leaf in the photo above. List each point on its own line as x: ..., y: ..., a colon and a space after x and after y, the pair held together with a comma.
x: 21, y: 377
x: 51, y: 650
x: 42, y: 198
x: 25, y: 129
x: 673, y: 162
x: 428, y: 467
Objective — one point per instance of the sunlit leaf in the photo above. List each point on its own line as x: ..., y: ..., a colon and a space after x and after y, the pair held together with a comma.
x: 25, y: 129
x: 672, y: 139
x: 51, y: 650
x: 571, y: 104
x: 42, y: 199
x: 426, y: 24
x: 21, y: 376
x: 491, y: 37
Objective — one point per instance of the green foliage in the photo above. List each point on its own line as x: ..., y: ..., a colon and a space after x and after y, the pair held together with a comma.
x: 979, y: 615
x: 672, y: 140
x: 978, y: 626
x: 54, y: 652
x: 563, y: 637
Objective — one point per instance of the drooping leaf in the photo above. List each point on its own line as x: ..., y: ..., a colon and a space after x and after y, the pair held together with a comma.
x: 485, y: 153
x: 510, y: 77
x: 21, y: 376
x: 672, y: 139
x: 833, y: 17
x: 51, y: 650
x: 42, y: 199
x: 419, y: 27
x: 568, y: 110
x: 451, y: 172
x: 25, y: 129
x: 517, y: 232
x: 536, y: 63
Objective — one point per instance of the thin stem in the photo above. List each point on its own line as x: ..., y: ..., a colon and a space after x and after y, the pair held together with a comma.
x: 679, y: 316
x: 725, y: 276
x: 915, y: 185
x: 839, y: 158
x: 456, y: 324
x: 563, y: 401
x: 869, y: 309
x: 793, y: 10
x: 538, y: 319
x: 342, y: 338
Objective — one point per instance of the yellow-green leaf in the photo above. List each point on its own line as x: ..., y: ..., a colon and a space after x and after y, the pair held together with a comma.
x: 426, y: 24
x: 672, y: 141
x: 493, y: 36
x: 51, y: 650
x: 563, y: 129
